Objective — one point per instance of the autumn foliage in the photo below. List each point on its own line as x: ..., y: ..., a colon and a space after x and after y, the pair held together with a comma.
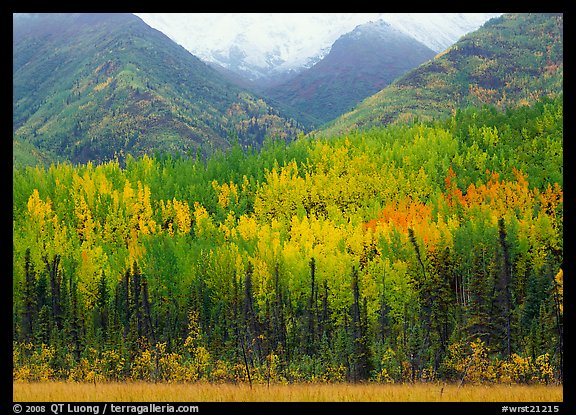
x: 400, y: 254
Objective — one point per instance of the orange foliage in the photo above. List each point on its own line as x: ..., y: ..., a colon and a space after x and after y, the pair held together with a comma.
x: 499, y: 196
x: 402, y: 214
x: 453, y: 193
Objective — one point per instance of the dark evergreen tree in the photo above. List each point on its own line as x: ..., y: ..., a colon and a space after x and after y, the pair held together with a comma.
x: 252, y: 337
x: 480, y: 283
x: 383, y: 319
x: 360, y: 359
x: 29, y: 301
x: 311, y: 313
x: 502, y: 297
x: 136, y: 303
x: 53, y: 269
x: 148, y: 329
x: 75, y: 323
x: 101, y: 308
x: 278, y: 321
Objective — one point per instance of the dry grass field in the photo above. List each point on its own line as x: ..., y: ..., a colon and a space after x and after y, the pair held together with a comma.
x: 204, y: 392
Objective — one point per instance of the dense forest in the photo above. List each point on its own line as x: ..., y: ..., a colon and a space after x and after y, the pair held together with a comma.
x: 412, y: 252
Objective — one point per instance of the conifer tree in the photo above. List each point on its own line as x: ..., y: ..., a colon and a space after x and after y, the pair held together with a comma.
x: 311, y: 313
x: 360, y: 359
x: 503, y: 296
x: 29, y: 302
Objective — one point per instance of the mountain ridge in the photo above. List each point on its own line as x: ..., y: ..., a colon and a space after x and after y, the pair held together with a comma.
x: 105, y: 94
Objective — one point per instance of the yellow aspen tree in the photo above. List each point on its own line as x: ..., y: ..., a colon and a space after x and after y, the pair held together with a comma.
x: 43, y: 223
x: 86, y: 227
x: 93, y: 262
x: 144, y: 212
x: 227, y: 194
x: 204, y: 226
x: 183, y: 217
x: 167, y: 214
x: 175, y: 216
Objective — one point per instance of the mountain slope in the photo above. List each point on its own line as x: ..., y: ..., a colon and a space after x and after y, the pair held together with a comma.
x: 94, y: 86
x: 512, y: 60
x: 360, y: 63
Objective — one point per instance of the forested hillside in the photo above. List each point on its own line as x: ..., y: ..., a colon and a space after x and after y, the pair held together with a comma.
x: 512, y: 60
x: 99, y: 86
x: 424, y: 251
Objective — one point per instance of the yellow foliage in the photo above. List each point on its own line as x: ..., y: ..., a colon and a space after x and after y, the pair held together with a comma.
x: 143, y: 210
x: 38, y: 209
x: 475, y: 366
x: 282, y: 193
x: 94, y: 261
x: 111, y: 364
x: 269, y: 245
x: 545, y: 369
x: 183, y: 218
x: 484, y: 95
x: 202, y: 361
x: 128, y: 193
x: 222, y: 372
x: 102, y: 85
x: 176, y: 213
x: 226, y: 193
x: 86, y: 227
x: 559, y: 279
x: 38, y: 367
x: 192, y: 342
x: 204, y: 226
x: 142, y: 366
x: 247, y: 227
x: 170, y: 368
x: 228, y: 227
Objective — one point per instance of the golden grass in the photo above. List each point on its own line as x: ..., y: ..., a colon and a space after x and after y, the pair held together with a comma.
x: 204, y: 392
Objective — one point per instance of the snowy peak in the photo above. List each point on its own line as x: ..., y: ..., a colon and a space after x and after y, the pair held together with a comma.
x: 359, y: 64
x: 373, y: 28
x: 257, y: 45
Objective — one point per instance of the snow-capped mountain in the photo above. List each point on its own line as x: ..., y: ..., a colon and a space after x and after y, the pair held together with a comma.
x: 257, y: 45
x: 360, y: 63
